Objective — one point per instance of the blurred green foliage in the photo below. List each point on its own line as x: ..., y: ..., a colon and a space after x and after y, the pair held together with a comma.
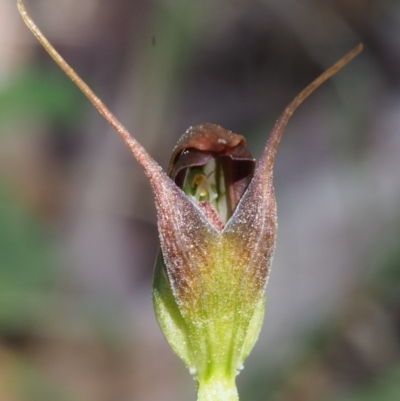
x: 386, y: 387
x: 40, y: 93
x: 26, y: 276
x: 35, y: 386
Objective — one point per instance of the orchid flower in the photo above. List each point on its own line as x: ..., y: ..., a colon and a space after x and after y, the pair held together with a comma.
x: 217, y: 225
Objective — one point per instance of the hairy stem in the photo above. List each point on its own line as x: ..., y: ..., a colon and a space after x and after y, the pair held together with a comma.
x: 217, y: 390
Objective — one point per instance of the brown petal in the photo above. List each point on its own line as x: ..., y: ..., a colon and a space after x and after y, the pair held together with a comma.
x: 206, y: 137
x: 253, y: 223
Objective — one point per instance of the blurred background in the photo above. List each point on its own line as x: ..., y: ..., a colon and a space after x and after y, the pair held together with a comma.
x: 77, y: 221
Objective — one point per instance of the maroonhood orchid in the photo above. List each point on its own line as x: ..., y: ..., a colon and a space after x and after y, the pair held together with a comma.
x: 217, y: 225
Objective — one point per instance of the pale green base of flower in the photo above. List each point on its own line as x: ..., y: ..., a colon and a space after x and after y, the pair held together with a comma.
x: 217, y: 390
x: 214, y: 342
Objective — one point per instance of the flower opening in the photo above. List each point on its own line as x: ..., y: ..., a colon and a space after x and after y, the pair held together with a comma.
x: 214, y: 168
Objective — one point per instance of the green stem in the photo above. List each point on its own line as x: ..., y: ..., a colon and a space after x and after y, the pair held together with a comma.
x: 217, y: 389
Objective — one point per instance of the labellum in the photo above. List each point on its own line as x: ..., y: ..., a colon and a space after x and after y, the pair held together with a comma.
x: 214, y: 168
x: 217, y: 223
